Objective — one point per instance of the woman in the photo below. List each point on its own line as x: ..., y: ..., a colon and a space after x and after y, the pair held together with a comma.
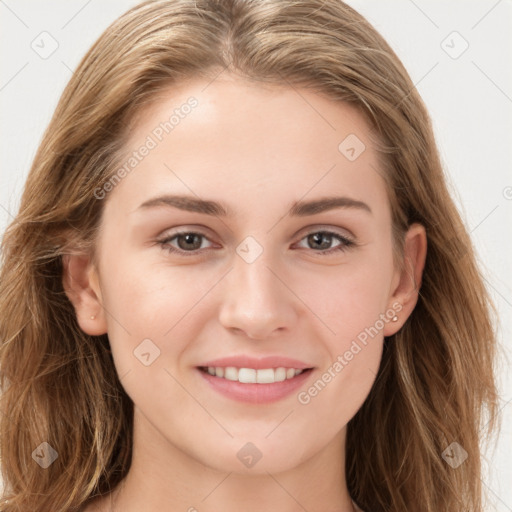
x: 237, y: 279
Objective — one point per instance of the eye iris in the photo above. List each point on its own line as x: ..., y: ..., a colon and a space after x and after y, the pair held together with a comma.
x: 189, y: 237
x: 314, y: 239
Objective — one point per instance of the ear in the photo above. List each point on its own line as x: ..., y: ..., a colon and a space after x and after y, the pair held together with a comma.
x: 407, y: 280
x: 81, y: 283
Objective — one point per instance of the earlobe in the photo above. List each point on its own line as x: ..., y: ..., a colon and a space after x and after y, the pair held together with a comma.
x: 80, y: 283
x: 405, y: 294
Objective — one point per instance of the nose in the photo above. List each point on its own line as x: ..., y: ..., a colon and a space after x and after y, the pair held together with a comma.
x: 257, y: 300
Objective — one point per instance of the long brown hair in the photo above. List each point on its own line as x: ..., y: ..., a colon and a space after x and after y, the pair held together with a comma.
x: 436, y: 383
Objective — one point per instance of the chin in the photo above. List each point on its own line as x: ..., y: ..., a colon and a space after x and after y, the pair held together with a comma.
x: 257, y: 457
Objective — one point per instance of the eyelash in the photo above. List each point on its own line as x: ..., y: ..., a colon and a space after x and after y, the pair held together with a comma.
x: 346, y: 243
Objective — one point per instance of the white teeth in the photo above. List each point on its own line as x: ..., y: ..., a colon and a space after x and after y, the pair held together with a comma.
x: 253, y: 376
x: 247, y: 375
x: 265, y: 376
x: 230, y: 373
x: 280, y: 374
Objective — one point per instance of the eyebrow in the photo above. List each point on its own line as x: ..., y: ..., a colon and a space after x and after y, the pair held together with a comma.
x: 297, y: 209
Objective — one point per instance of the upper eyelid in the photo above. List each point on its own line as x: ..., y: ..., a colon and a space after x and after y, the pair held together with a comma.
x: 200, y: 230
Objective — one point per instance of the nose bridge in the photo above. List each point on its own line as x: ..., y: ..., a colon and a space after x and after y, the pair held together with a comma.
x: 255, y: 300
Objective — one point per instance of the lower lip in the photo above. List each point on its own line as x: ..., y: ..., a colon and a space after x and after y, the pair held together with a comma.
x: 255, y: 393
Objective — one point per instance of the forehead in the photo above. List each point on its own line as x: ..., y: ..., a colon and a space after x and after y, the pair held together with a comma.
x: 244, y: 139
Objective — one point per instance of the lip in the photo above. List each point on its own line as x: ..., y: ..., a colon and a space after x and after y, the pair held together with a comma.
x: 244, y: 361
x: 253, y: 392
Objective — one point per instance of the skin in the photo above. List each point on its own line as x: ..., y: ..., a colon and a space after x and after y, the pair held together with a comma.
x: 257, y: 149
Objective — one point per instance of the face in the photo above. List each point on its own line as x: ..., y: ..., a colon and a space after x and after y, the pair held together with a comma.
x: 254, y: 226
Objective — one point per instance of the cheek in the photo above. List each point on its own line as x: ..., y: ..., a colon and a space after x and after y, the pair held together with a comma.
x: 341, y: 387
x: 151, y: 321
x: 146, y: 292
x: 348, y: 299
x: 352, y: 305
x: 147, y: 301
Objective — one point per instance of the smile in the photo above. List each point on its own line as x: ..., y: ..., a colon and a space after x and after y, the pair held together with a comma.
x: 252, y: 375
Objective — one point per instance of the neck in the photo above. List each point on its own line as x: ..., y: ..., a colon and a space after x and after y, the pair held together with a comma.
x: 154, y: 483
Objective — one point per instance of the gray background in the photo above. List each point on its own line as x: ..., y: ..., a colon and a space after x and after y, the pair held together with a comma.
x: 468, y: 93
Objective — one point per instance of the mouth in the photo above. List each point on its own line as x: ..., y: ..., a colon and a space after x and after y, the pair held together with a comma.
x: 253, y: 375
x: 254, y: 385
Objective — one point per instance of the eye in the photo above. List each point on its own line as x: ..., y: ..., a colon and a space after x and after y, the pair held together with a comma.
x: 323, y: 240
x: 188, y: 242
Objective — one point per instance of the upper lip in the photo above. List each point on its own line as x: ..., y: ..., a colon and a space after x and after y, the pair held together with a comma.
x: 245, y: 361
